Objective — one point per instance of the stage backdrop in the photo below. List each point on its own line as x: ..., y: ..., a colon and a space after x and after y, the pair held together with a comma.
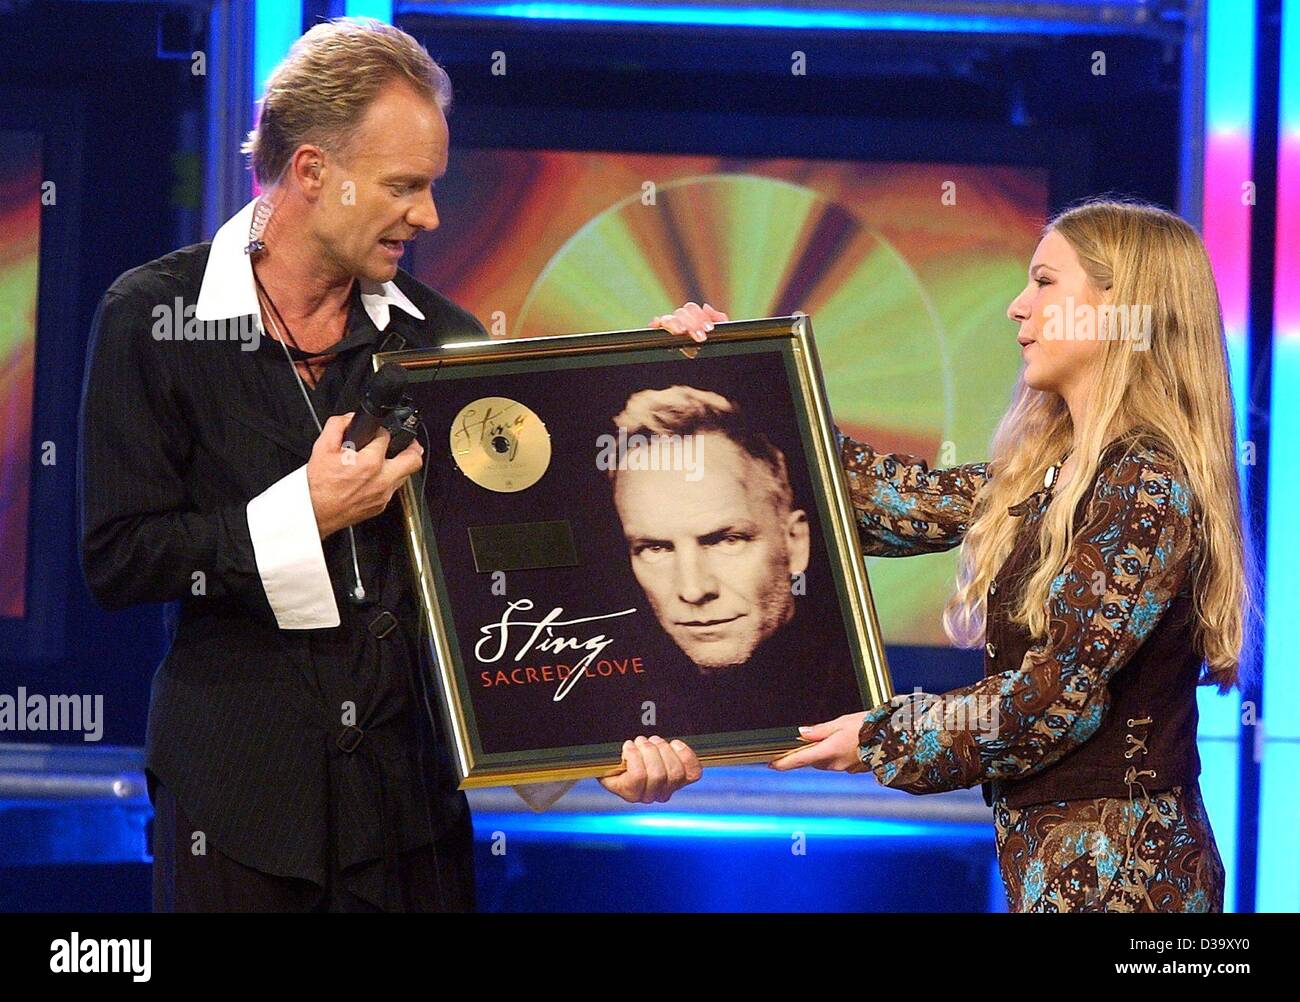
x: 905, y: 268
x: 20, y: 230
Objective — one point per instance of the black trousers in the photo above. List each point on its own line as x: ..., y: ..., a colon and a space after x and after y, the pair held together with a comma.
x: 432, y: 878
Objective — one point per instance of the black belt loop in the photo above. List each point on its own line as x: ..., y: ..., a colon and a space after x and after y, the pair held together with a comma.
x: 350, y: 737
x: 383, y: 624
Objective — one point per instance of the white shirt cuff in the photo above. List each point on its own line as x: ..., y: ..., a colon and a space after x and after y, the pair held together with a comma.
x: 290, y: 560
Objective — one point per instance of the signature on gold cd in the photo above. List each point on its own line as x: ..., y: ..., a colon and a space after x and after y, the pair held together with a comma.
x: 500, y: 444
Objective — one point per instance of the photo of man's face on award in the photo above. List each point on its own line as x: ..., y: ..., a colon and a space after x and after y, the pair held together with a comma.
x: 716, y: 544
x: 619, y: 533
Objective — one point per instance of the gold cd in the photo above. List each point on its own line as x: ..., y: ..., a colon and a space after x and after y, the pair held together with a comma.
x: 500, y: 444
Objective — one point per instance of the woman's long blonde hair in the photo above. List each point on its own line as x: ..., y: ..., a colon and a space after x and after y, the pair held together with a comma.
x: 1174, y: 394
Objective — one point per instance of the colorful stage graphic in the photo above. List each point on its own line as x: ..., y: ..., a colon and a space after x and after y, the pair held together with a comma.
x: 905, y: 268
x: 20, y: 237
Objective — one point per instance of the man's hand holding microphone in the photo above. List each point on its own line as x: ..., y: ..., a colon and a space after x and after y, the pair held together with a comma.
x: 350, y: 485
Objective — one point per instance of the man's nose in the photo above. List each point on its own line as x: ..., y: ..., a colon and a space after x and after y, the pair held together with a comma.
x: 424, y: 214
x: 696, y: 582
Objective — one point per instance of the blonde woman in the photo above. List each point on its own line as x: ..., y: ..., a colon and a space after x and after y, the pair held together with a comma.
x: 1102, y: 566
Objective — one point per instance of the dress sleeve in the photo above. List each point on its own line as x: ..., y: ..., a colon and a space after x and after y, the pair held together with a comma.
x: 1127, y: 563
x: 901, y: 506
x: 142, y: 539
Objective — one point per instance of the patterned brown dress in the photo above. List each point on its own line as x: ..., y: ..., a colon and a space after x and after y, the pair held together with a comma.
x: 1150, y: 852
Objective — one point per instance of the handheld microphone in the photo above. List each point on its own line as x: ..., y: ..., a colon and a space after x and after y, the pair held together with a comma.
x: 384, y: 405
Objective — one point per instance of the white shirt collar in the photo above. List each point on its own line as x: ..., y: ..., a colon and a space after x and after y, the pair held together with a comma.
x: 228, y: 289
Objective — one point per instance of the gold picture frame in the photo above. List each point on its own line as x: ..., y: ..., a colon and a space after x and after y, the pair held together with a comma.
x: 766, y: 368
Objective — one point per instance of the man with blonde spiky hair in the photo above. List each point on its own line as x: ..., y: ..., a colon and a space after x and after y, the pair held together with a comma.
x: 293, y: 756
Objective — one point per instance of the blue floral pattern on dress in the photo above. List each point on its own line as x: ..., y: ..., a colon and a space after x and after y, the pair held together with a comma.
x: 1139, y: 531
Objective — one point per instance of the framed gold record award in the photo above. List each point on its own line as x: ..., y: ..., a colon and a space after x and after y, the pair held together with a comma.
x: 629, y: 533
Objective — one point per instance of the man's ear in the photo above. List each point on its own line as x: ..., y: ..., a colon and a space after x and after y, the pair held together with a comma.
x: 799, y: 536
x: 307, y: 170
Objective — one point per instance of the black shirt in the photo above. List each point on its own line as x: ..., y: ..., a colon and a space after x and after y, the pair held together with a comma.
x: 251, y: 725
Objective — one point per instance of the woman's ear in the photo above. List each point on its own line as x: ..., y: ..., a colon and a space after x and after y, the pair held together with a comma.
x: 1105, y: 298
